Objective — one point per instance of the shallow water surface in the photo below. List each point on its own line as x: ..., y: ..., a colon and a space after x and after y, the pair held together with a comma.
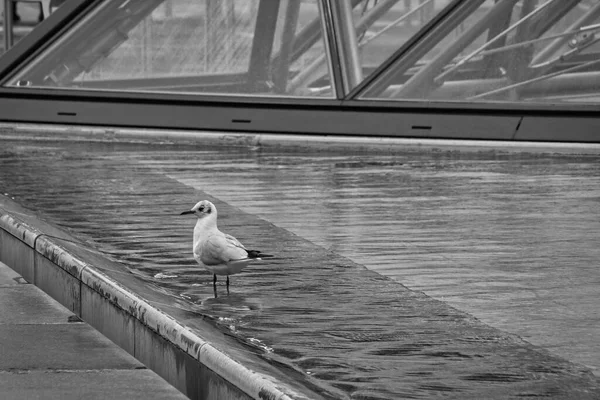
x: 508, y: 238
x: 511, y: 239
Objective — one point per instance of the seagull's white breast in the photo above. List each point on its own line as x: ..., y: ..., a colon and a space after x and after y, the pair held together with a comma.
x: 219, y: 253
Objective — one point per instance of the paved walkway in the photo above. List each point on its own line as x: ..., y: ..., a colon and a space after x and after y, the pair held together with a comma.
x: 47, y: 353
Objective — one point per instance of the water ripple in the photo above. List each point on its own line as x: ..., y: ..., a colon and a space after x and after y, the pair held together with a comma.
x: 480, y: 232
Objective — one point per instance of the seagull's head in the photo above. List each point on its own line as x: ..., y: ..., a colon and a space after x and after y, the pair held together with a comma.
x: 202, y: 209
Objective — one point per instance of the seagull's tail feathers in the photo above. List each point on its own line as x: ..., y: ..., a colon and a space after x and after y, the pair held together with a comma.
x: 257, y: 254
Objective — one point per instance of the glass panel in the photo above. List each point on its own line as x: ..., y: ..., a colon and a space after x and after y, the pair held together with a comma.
x: 508, y: 50
x: 382, y: 27
x: 24, y: 15
x: 242, y: 47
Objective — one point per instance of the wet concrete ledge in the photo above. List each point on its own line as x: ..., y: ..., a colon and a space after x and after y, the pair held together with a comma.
x: 429, y: 349
x: 367, y: 143
x: 184, y: 359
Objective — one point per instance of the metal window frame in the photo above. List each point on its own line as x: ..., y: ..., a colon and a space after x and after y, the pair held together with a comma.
x: 346, y: 115
x: 37, y: 40
x: 75, y: 10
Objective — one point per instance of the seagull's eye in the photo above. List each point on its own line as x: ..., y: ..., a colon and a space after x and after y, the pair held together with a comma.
x: 201, y: 208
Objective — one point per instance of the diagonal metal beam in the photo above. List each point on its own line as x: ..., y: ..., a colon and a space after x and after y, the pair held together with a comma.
x: 417, y: 47
x: 262, y: 43
x: 420, y: 84
x: 589, y: 17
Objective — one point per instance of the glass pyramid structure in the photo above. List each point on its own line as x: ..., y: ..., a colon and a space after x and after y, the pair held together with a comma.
x: 478, y: 69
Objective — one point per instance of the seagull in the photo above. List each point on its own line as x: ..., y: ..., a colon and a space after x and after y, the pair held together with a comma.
x: 218, y: 252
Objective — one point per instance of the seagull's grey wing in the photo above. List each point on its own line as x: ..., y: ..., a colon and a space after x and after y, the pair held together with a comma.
x: 234, y: 241
x: 220, y: 249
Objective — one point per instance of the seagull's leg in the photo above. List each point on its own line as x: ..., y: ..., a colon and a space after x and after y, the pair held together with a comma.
x: 215, y: 280
x: 227, y: 280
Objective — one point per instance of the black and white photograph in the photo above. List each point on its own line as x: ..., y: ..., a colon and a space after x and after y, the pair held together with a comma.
x: 299, y: 199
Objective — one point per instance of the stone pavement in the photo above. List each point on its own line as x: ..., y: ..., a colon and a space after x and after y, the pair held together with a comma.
x: 48, y: 353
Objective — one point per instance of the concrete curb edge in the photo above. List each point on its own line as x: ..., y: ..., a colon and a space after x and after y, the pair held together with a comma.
x: 253, y: 384
x: 19, y: 131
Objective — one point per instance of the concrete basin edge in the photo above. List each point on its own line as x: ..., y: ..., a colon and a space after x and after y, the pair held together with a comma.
x: 81, y: 275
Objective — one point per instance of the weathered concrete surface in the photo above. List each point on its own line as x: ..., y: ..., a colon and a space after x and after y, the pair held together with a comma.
x: 82, y: 384
x: 44, y: 355
x: 60, y: 346
x: 312, y: 310
x: 23, y: 304
x: 8, y: 277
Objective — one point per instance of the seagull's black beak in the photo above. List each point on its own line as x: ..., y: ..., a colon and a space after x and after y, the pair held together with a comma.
x: 187, y: 212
